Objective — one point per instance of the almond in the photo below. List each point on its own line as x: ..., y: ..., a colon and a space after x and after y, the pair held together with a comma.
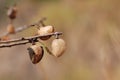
x: 36, y: 53
x: 58, y: 47
x: 10, y: 29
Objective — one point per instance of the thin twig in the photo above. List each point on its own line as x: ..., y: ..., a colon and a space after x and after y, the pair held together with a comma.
x: 24, y: 40
x: 19, y: 29
x: 31, y: 25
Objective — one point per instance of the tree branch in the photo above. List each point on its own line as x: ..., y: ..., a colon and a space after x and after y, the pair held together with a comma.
x: 14, y: 44
x: 25, y: 40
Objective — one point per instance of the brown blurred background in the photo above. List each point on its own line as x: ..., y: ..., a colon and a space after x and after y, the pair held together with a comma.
x: 91, y: 29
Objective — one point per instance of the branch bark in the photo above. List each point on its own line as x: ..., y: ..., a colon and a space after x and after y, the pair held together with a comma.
x: 25, y: 40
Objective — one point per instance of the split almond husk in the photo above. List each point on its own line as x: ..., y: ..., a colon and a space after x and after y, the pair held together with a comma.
x: 12, y: 12
x: 36, y: 53
x: 44, y: 31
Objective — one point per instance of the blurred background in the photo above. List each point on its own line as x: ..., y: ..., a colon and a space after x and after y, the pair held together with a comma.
x: 90, y: 29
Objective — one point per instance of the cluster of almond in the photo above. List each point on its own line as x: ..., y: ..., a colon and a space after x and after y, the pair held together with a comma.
x: 58, y: 45
x: 36, y: 51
